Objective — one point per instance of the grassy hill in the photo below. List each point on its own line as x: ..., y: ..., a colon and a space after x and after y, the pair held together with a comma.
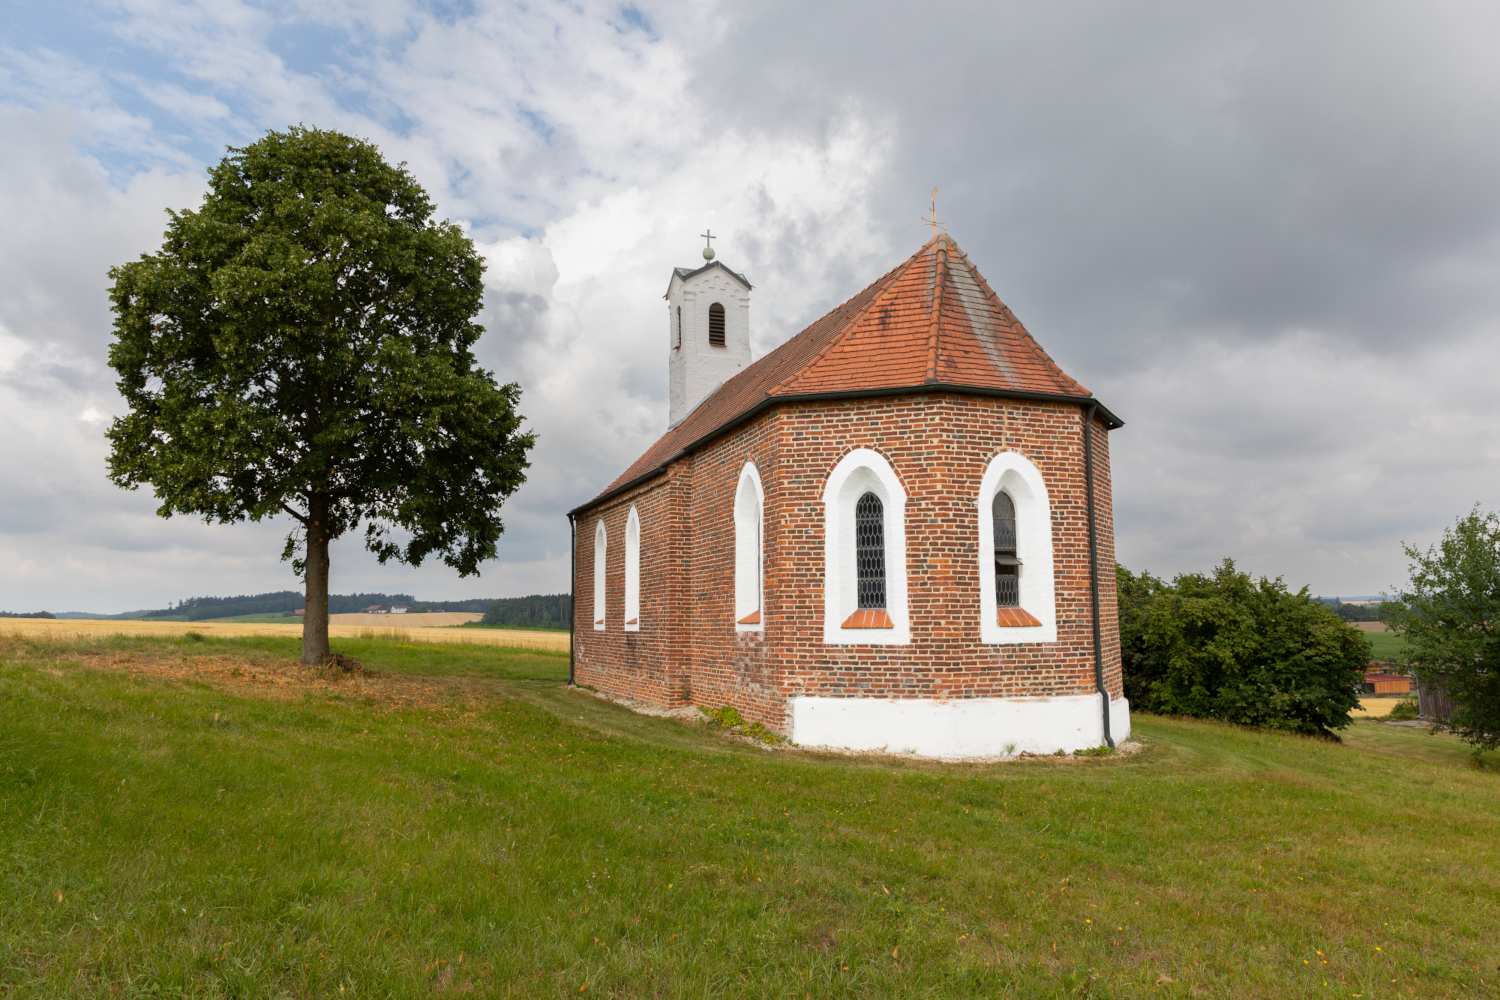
x: 209, y: 818
x: 1389, y: 647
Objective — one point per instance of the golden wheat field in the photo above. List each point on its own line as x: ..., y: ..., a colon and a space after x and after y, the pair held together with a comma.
x: 510, y: 638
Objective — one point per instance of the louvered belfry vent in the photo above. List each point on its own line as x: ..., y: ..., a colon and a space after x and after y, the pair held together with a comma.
x: 1007, y: 566
x: 716, y: 325
x: 869, y: 546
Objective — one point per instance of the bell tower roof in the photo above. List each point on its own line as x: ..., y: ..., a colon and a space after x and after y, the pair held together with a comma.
x: 684, y: 273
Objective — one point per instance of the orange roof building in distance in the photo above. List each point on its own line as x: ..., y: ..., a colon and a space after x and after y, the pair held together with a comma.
x: 893, y: 531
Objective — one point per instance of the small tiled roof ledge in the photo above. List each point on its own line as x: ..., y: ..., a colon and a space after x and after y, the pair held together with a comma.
x: 1111, y: 421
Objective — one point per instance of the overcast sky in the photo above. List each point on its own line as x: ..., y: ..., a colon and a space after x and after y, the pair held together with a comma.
x: 1266, y: 235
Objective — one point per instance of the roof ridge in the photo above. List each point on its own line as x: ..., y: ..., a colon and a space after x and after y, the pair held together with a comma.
x: 1027, y: 340
x: 890, y: 279
x: 935, y: 321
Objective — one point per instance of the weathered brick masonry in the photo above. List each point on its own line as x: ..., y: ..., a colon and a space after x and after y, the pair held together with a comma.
x: 937, y: 437
x: 687, y: 651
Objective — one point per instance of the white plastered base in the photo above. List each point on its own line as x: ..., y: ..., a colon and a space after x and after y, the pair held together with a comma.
x: 959, y: 727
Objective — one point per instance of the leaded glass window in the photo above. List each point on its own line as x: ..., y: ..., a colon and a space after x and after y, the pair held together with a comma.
x: 1007, y: 566
x: 869, y: 545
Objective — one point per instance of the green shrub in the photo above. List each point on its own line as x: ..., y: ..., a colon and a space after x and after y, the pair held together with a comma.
x: 723, y: 718
x: 730, y: 720
x: 1406, y: 708
x: 1223, y: 646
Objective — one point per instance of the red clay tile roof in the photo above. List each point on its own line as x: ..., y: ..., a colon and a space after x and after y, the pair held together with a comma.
x: 931, y: 324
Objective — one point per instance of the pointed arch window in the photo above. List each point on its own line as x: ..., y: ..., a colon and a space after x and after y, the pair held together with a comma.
x: 633, y: 571
x: 749, y: 573
x: 864, y: 556
x: 869, y: 551
x: 716, y: 325
x: 1017, y: 602
x: 601, y: 551
x: 1007, y: 564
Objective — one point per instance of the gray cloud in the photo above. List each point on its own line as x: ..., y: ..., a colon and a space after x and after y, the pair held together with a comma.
x: 1268, y: 236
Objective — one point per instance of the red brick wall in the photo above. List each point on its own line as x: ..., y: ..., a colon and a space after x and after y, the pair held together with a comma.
x: 688, y: 652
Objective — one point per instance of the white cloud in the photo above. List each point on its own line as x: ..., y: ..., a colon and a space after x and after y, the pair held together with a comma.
x: 588, y: 166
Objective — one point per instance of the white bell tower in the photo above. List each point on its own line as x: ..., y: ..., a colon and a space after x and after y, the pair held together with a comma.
x: 708, y: 332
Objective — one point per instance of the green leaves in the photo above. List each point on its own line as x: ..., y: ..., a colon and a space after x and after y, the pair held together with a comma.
x: 1227, y: 647
x: 306, y: 333
x: 1450, y: 612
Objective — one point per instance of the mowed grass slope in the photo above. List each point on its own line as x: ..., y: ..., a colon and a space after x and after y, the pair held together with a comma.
x: 208, y: 819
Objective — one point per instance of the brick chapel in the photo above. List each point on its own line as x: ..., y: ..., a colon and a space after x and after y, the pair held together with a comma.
x: 894, y: 531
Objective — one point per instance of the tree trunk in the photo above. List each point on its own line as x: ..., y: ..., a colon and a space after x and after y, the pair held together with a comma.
x: 315, y: 574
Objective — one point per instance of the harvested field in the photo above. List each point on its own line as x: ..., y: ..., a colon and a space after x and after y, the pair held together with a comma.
x: 1371, y: 707
x: 425, y: 619
x: 66, y: 630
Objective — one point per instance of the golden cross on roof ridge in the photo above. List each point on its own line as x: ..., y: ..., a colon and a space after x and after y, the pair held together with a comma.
x: 933, y: 219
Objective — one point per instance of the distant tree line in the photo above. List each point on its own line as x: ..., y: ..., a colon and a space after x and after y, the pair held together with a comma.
x: 540, y: 610
x: 536, y: 611
x: 197, y: 609
x: 30, y: 614
x: 1359, y: 612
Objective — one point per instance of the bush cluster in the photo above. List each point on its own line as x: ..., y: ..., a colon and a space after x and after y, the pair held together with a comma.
x: 730, y: 720
x: 1224, y: 646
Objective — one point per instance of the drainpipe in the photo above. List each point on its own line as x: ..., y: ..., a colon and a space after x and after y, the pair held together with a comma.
x: 573, y: 593
x: 1088, y: 478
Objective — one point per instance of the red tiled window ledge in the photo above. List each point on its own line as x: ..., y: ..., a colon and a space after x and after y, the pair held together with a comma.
x: 1015, y: 617
x: 869, y: 618
x: 637, y: 621
x: 753, y: 618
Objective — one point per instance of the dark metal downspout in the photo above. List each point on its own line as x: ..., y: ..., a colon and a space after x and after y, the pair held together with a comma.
x: 573, y: 593
x: 1088, y: 478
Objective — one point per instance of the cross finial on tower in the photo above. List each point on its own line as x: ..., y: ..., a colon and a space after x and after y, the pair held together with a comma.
x: 932, y: 220
x: 708, y: 251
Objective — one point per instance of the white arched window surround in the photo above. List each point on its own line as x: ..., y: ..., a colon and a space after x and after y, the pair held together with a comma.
x: 749, y: 560
x: 633, y: 571
x: 1014, y: 474
x: 601, y: 550
x: 859, y: 472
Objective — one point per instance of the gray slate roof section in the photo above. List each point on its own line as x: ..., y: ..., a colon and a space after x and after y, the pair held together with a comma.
x: 685, y: 273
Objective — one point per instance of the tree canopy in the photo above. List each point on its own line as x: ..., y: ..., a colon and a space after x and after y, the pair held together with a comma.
x: 1224, y: 646
x: 1450, y: 613
x: 301, y: 346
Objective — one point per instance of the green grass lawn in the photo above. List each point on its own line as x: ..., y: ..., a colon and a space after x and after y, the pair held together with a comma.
x: 184, y: 818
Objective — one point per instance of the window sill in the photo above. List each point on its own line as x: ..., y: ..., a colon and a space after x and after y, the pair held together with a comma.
x: 753, y: 618
x: 1015, y: 618
x: 869, y: 618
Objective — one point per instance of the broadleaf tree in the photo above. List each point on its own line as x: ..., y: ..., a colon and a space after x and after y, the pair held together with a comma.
x: 300, y: 345
x: 1223, y: 645
x: 1449, y: 611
